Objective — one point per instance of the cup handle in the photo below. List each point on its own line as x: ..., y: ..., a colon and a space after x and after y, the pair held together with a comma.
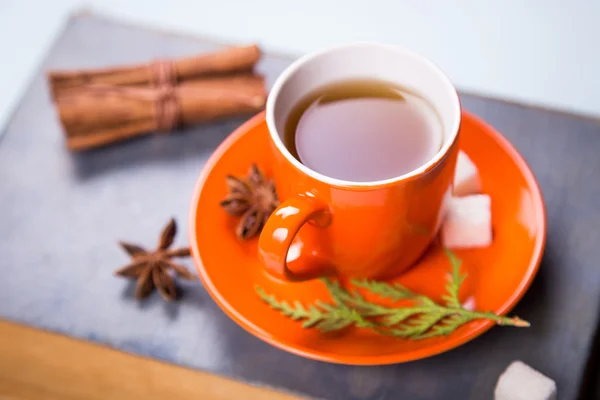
x: 279, y: 232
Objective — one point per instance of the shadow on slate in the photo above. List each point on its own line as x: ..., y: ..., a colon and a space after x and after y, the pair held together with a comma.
x: 62, y: 214
x: 128, y: 155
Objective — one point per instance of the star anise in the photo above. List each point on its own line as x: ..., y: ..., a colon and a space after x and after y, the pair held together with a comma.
x: 151, y: 268
x: 253, y: 198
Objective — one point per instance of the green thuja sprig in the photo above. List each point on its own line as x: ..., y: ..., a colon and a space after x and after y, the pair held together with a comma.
x: 423, y: 318
x: 455, y: 282
x: 325, y: 317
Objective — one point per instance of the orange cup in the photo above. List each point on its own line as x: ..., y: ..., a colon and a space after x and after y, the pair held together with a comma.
x: 357, y: 229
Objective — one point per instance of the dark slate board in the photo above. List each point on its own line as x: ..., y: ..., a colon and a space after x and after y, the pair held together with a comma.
x: 61, y: 214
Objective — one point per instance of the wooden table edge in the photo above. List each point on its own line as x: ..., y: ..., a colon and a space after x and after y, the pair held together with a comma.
x: 36, y: 364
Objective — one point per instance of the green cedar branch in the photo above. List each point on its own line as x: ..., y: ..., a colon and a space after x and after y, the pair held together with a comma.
x: 424, y: 318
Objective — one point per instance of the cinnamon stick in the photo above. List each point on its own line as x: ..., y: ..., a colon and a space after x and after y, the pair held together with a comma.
x: 97, y: 115
x: 229, y: 60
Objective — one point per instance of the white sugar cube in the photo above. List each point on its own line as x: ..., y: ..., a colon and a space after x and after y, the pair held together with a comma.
x: 466, y: 176
x: 468, y: 222
x: 521, y: 382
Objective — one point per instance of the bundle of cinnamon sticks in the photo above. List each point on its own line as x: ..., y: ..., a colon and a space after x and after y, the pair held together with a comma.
x: 103, y: 106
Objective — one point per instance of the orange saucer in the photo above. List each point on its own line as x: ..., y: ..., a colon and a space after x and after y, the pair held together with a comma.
x: 498, y: 276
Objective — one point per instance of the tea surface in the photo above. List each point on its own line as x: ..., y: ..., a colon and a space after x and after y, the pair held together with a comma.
x: 363, y: 130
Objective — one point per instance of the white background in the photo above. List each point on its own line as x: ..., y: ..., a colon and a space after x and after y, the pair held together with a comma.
x: 542, y: 52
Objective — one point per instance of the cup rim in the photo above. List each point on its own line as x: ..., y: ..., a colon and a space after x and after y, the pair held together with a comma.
x: 300, y: 62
